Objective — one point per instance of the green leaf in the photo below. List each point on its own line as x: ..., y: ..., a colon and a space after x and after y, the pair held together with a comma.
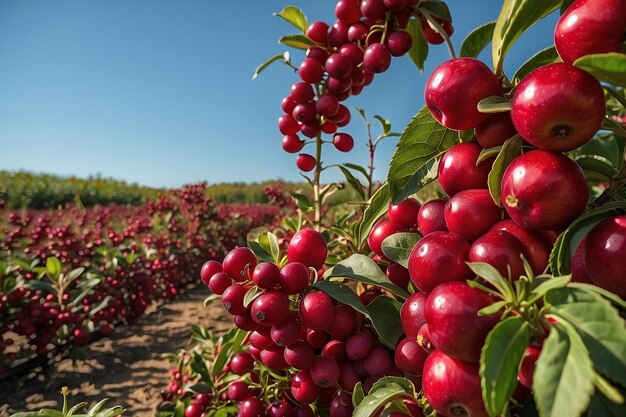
x: 363, y: 269
x: 53, y: 267
x: 597, y: 163
x: 613, y: 126
x: 353, y: 181
x: 492, y: 276
x: 499, y: 362
x: 541, y: 287
x: 511, y: 149
x: 385, y: 124
x: 199, y: 365
x: 74, y: 273
x: 377, y: 207
x: 303, y: 202
x: 357, y: 394
x: 613, y: 298
x: 263, y: 66
x: 259, y: 251
x: 609, y: 67
x: 294, y: 16
x: 437, y: 8
x: 541, y: 58
x: 567, y: 241
x: 357, y: 168
x: 343, y: 294
x: 385, y: 315
x: 414, y: 163
x: 40, y: 286
x: 376, y: 400
x: 477, y: 40
x: 563, y: 378
x: 251, y: 295
x: 515, y: 17
x: 398, y: 247
x: 599, y: 326
x: 419, y: 48
x: 297, y: 41
x: 408, y: 386
x: 274, y: 247
x: 494, y: 104
x: 602, y: 406
x: 226, y: 411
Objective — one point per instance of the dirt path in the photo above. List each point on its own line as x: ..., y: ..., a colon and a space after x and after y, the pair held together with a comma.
x: 127, y: 368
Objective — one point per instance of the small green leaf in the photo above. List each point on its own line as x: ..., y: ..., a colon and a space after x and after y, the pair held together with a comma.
x: 488, y: 153
x: 511, y: 149
x: 297, y: 41
x: 343, y: 294
x: 398, y: 247
x: 563, y: 378
x: 499, y: 362
x: 251, y: 295
x: 494, y: 104
x: 53, y: 267
x: 74, y: 273
x: 377, y: 207
x: 492, y: 309
x: 294, y: 16
x: 419, y: 48
x: 515, y: 17
x: 376, y: 400
x: 541, y: 287
x: 303, y: 202
x: 363, y: 269
x: 357, y: 394
x: 385, y: 124
x: 492, y: 276
x: 353, y: 181
x: 437, y: 8
x: 609, y: 67
x: 385, y: 315
x: 274, y: 248
x: 597, y: 163
x: 612, y: 297
x: 541, y: 58
x: 414, y: 163
x: 259, y: 251
x: 263, y: 66
x: 408, y: 386
x: 477, y: 40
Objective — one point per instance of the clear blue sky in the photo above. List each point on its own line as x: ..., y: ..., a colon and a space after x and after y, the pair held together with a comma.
x: 160, y: 92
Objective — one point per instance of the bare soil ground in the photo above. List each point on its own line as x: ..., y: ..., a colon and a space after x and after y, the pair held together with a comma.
x: 127, y: 368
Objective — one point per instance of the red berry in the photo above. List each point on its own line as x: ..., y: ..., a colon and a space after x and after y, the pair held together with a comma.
x: 376, y: 58
x: 431, y: 217
x: 471, y: 213
x: 306, y: 162
x: 317, y: 31
x: 266, y: 275
x: 292, y: 143
x: 605, y: 255
x: 236, y: 262
x: 459, y: 171
x: 405, y: 212
x: 316, y: 310
x: 324, y: 371
x: 219, y: 282
x: 209, y: 269
x: 269, y: 308
x: 501, y: 250
x: 308, y: 247
x: 294, y: 278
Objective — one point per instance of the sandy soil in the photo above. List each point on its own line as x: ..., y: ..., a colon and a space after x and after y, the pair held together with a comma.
x: 127, y: 368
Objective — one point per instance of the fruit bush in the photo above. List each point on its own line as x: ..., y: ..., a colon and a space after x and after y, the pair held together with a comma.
x: 502, y: 297
x: 68, y: 273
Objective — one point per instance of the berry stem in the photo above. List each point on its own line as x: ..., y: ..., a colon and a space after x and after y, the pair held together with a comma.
x: 317, y: 200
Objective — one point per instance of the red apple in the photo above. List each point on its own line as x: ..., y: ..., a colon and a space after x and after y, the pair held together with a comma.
x: 537, y: 249
x: 590, y: 27
x: 454, y: 90
x: 558, y: 107
x: 544, y: 190
x: 605, y: 255
x: 459, y: 171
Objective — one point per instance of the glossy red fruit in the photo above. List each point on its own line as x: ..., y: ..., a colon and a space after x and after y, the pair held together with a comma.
x: 454, y: 89
x: 605, y: 255
x: 454, y: 324
x: 266, y: 275
x: 590, y: 27
x: 405, y: 212
x: 270, y: 308
x: 292, y: 143
x: 236, y: 262
x: 373, y: 9
x: 343, y: 142
x: 376, y: 58
x: 338, y: 66
x: 458, y: 170
x: 495, y: 130
x: 577, y: 264
x: 294, y: 277
x: 336, y: 349
x: 274, y: 357
x: 430, y: 33
x: 193, y: 410
x: 452, y: 386
x: 317, y: 338
x: 538, y: 200
x: 287, y: 331
x: 324, y: 371
x: 423, y: 338
x: 316, y: 310
x: 439, y: 257
x: 410, y: 357
x: 399, y: 42
x: 242, y: 363
x: 303, y: 389
x: 527, y: 368
x: 238, y: 391
x: 412, y: 314
x: 219, y: 282
x: 305, y: 162
x: 300, y: 355
x: 311, y: 71
x: 348, y: 11
x: 558, y: 107
x: 317, y: 31
x: 537, y: 249
x: 341, y: 405
x: 279, y: 409
x: 378, y: 362
x: 251, y: 407
x: 244, y: 321
x: 359, y: 345
x: 302, y: 92
x: 308, y: 247
x: 327, y: 105
x: 287, y: 125
x: 380, y: 232
x: 501, y: 250
x: 398, y: 275
x: 471, y: 213
x: 348, y: 376
x: 431, y: 217
x: 343, y: 322
x: 232, y: 298
x: 209, y: 269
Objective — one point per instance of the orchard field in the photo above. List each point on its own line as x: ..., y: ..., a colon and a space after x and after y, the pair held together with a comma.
x: 486, y: 276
